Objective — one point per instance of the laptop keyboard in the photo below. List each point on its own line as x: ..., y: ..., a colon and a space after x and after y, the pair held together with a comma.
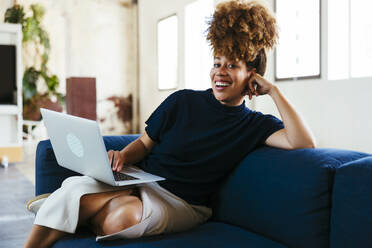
x: 123, y: 177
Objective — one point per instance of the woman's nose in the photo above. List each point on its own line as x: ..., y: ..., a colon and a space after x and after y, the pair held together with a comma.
x: 221, y: 70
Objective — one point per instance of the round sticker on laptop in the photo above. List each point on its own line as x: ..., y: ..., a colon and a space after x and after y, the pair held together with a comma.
x: 75, y: 145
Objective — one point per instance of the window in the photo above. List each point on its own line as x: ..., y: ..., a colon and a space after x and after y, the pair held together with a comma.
x: 168, y: 53
x: 338, y: 39
x: 360, y: 38
x: 298, y: 50
x: 198, y: 56
x: 349, y: 39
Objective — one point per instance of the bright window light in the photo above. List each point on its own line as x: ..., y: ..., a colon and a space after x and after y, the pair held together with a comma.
x: 338, y: 39
x: 349, y: 39
x: 361, y: 38
x: 168, y: 53
x: 298, y: 51
x: 198, y: 58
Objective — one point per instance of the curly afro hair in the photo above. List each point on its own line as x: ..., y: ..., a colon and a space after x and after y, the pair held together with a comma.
x: 242, y: 30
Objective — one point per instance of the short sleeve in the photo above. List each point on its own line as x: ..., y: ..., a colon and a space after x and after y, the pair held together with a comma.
x: 162, y: 118
x: 269, y: 125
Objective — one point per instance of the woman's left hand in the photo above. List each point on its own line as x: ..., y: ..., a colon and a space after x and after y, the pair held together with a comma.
x: 258, y: 85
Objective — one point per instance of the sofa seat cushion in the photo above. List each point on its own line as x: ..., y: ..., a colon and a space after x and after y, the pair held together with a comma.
x: 284, y: 195
x: 210, y: 234
x: 351, y: 221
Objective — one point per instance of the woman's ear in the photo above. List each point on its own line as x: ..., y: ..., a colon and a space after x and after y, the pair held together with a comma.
x: 251, y: 69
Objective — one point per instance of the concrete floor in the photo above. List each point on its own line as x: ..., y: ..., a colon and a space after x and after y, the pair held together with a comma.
x: 16, y: 188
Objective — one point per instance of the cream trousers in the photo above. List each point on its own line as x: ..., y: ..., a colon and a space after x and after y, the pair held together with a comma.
x: 163, y: 212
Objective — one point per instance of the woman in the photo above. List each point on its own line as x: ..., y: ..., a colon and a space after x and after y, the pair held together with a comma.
x: 193, y: 139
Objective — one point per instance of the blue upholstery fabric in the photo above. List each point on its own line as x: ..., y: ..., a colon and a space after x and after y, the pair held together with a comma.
x: 284, y: 195
x: 351, y: 221
x: 211, y: 234
x: 49, y: 175
x: 274, y: 198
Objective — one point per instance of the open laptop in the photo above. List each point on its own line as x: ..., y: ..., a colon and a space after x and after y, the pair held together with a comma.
x: 78, y: 146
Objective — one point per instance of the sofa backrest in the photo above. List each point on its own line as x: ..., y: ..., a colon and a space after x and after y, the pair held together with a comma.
x: 283, y: 195
x: 351, y: 217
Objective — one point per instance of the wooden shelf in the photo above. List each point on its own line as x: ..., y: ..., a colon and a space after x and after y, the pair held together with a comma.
x: 11, y: 114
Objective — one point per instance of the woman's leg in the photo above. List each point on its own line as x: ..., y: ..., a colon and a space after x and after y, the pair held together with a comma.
x: 90, y: 204
x: 118, y: 214
x: 42, y: 236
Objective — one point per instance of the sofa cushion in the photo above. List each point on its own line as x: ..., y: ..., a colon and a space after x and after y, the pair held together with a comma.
x: 284, y: 195
x: 351, y: 220
x: 49, y: 175
x: 210, y: 234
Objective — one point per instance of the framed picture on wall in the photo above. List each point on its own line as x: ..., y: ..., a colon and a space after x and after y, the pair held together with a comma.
x: 167, y: 52
x: 297, y: 55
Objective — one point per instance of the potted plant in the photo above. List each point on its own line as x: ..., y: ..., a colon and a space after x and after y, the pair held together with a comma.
x: 33, y: 32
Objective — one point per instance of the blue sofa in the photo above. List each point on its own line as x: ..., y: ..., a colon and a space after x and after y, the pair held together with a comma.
x: 306, y: 198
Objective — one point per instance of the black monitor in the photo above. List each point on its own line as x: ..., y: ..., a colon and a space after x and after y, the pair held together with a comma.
x: 8, y: 83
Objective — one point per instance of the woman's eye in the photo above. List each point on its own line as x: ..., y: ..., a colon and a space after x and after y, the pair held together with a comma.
x: 216, y: 65
x: 231, y: 66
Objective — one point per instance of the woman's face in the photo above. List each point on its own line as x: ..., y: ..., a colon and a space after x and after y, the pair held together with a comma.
x: 229, y: 80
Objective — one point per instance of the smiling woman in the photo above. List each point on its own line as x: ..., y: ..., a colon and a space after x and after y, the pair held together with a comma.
x: 194, y: 139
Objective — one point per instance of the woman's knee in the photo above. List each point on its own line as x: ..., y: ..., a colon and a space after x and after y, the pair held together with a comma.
x: 118, y: 214
x: 94, y: 200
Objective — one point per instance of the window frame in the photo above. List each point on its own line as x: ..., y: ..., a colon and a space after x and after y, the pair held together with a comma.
x: 317, y: 76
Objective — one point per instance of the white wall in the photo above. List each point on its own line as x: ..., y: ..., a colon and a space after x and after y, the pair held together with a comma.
x: 149, y: 13
x: 4, y: 4
x: 92, y: 38
x: 336, y: 111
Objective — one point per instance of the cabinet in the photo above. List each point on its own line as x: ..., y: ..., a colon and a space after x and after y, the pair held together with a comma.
x: 11, y: 112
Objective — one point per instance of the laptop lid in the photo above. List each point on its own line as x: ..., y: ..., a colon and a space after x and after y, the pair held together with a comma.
x: 78, y: 145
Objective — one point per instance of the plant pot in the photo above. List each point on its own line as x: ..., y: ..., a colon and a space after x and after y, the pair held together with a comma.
x: 31, y: 109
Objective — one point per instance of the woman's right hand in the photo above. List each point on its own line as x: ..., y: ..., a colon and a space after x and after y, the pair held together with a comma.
x: 116, y: 159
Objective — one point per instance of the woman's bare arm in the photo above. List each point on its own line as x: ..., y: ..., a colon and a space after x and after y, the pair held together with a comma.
x: 295, y: 134
x: 132, y: 153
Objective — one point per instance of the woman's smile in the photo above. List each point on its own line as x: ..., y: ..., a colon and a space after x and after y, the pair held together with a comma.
x: 222, y: 85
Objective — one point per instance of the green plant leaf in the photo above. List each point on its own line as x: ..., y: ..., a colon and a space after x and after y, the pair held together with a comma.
x: 44, y: 61
x: 38, y: 11
x: 52, y: 82
x: 30, y: 29
x: 44, y: 38
x: 15, y: 14
x: 30, y: 78
x: 33, y: 31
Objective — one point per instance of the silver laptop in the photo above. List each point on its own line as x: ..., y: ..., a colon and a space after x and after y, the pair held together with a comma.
x: 78, y: 146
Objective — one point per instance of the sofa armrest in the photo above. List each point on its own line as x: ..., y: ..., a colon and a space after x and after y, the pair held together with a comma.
x: 351, y: 221
x: 49, y: 175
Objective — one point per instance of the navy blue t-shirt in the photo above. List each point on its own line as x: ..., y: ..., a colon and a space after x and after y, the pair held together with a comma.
x: 199, y: 142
